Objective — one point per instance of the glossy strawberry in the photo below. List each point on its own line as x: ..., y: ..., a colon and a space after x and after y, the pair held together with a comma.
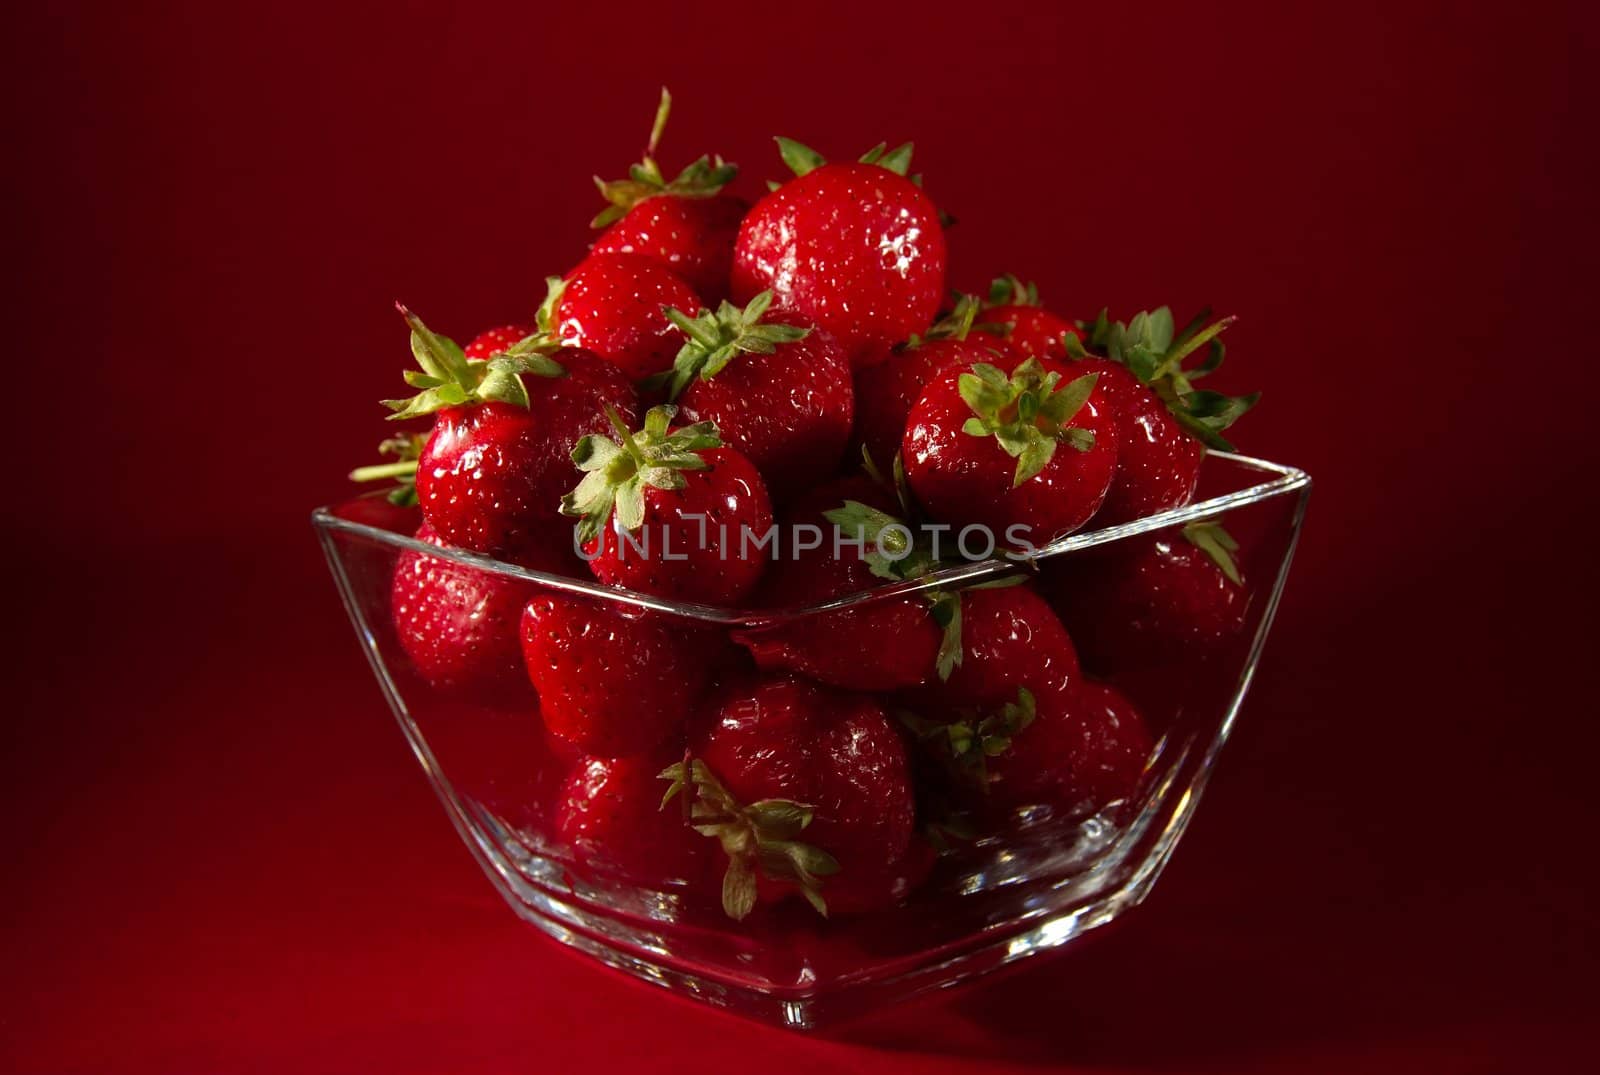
x: 1075, y: 750
x: 609, y: 813
x: 1010, y: 638
x: 901, y: 634
x: 1013, y: 720
x: 612, y: 680
x: 1163, y: 422
x: 495, y: 341
x: 1106, y: 746
x: 885, y: 392
x: 1029, y: 454
x: 876, y: 536
x: 686, y: 224
x: 1013, y: 312
x: 611, y: 304
x: 458, y: 624
x: 807, y: 791
x: 1153, y: 601
x: 483, y: 479
x: 492, y: 473
x: 671, y: 513
x: 858, y: 248
x: 693, y: 237
x: 779, y: 393
x: 1158, y: 463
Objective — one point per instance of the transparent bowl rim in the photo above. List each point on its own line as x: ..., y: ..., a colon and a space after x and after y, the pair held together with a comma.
x: 1280, y: 480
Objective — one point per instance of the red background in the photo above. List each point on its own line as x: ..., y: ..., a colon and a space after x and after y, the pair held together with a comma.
x: 220, y: 855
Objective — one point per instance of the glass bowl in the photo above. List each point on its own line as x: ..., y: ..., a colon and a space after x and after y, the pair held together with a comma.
x: 991, y: 899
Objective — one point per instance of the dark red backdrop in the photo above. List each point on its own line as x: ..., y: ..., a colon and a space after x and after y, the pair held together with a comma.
x: 220, y: 855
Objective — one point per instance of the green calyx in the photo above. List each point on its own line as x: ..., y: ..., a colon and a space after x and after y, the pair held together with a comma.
x: 1027, y: 413
x: 716, y: 337
x: 406, y: 449
x: 1209, y: 537
x: 802, y: 159
x: 955, y: 325
x: 1154, y: 352
x: 896, y: 160
x: 897, y: 551
x: 702, y: 178
x: 1009, y: 290
x: 970, y: 741
x: 617, y: 472
x: 892, y: 550
x: 945, y: 608
x: 895, y: 546
x: 546, y: 326
x: 761, y: 838
x: 449, y: 379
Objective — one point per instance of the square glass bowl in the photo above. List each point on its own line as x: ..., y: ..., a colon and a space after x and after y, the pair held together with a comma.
x: 990, y: 900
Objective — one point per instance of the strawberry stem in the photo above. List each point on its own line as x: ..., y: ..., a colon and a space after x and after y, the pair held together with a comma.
x: 663, y: 110
x: 407, y: 447
x: 383, y: 471
x: 702, y: 178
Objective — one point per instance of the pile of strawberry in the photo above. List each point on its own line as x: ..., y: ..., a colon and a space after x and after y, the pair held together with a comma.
x: 712, y: 368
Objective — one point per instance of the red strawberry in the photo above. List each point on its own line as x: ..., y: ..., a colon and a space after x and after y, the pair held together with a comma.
x: 829, y: 646
x: 866, y: 540
x: 670, y: 512
x: 857, y: 248
x: 1075, y: 750
x: 458, y: 624
x: 886, y: 391
x: 807, y: 790
x: 1010, y: 638
x: 491, y: 476
x: 483, y: 478
x: 1106, y: 747
x: 981, y: 449
x: 611, y: 304
x: 1163, y: 423
x: 495, y: 341
x: 1153, y: 601
x: 1014, y: 312
x: 609, y: 813
x: 1013, y: 718
x: 611, y: 680
x: 781, y: 394
x: 1158, y: 464
x: 692, y: 237
x: 687, y: 224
